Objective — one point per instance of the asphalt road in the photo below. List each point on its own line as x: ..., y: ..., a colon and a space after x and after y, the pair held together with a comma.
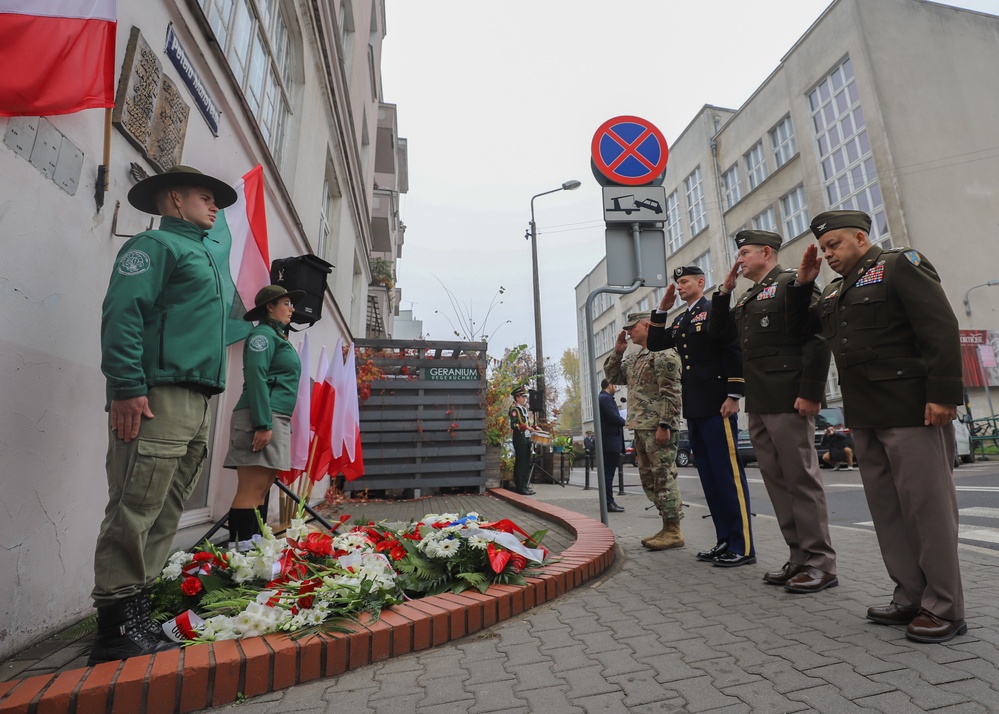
x: 977, y: 498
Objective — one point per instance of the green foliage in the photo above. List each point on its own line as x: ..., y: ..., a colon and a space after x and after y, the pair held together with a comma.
x: 505, y: 374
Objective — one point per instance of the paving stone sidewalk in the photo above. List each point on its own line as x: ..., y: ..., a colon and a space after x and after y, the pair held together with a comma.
x: 661, y: 632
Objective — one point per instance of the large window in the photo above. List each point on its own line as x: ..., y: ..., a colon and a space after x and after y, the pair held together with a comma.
x: 674, y: 231
x: 731, y: 182
x: 604, y: 340
x: 794, y: 209
x: 695, y: 202
x: 846, y: 161
x: 782, y: 138
x: 756, y: 165
x: 255, y: 38
x: 703, y: 261
x: 765, y: 220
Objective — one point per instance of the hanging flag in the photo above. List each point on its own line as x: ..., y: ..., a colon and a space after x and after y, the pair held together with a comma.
x: 57, y: 57
x: 320, y: 450
x: 317, y: 387
x: 348, y: 458
x: 239, y: 240
x: 300, y: 419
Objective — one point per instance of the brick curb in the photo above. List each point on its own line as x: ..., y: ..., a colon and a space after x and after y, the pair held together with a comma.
x: 202, y: 676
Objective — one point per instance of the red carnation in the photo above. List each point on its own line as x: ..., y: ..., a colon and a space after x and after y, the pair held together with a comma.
x: 191, y: 586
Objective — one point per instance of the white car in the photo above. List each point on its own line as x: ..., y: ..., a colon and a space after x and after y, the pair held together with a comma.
x: 962, y: 438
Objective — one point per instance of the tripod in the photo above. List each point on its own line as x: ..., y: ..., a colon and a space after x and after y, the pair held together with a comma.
x: 537, y: 453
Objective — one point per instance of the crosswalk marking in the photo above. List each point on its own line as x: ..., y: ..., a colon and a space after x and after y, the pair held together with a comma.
x: 968, y: 532
x: 979, y: 512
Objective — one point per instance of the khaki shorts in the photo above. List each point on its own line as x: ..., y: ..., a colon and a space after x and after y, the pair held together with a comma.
x: 276, y: 455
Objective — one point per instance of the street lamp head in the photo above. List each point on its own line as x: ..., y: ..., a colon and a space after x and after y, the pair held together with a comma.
x: 571, y: 185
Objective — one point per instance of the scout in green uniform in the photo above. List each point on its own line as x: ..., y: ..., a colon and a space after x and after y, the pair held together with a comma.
x: 521, y: 442
x: 163, y: 354
x: 785, y: 387
x: 896, y: 344
x: 260, y: 436
x: 653, y: 380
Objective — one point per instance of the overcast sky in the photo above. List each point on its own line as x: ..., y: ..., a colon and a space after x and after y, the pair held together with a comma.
x: 499, y: 101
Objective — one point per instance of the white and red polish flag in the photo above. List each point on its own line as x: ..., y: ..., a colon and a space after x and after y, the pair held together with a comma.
x: 57, y: 56
x: 348, y: 458
x: 300, y: 419
x: 323, y: 408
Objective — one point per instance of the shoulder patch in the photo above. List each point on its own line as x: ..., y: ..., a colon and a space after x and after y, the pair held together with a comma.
x: 134, y: 262
x: 258, y: 343
x: 913, y: 257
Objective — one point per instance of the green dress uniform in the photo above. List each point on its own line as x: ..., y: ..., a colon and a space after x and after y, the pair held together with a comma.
x: 778, y: 369
x: 896, y: 343
x: 521, y: 448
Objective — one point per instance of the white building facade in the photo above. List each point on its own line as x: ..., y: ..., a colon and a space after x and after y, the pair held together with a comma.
x: 899, y: 123
x: 292, y: 85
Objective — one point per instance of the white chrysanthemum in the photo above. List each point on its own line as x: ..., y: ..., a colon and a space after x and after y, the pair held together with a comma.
x: 297, y: 530
x: 452, y: 530
x: 352, y: 541
x: 478, y: 542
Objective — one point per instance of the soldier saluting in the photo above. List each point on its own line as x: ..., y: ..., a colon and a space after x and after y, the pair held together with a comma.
x: 897, y: 346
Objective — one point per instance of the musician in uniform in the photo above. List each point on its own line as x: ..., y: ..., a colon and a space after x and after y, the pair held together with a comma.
x: 897, y: 347
x: 521, y: 442
x: 785, y: 387
x: 712, y: 385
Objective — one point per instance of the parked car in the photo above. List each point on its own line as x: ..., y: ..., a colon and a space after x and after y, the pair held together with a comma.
x: 962, y: 439
x: 630, y: 457
x: 744, y: 447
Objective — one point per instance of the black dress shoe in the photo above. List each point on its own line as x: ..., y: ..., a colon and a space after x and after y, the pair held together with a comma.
x: 530, y: 491
x: 927, y: 627
x: 614, y: 508
x: 779, y: 577
x: 811, y: 580
x: 733, y: 560
x: 892, y: 614
x: 708, y: 556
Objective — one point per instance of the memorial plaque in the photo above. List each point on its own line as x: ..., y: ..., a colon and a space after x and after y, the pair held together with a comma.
x: 166, y: 141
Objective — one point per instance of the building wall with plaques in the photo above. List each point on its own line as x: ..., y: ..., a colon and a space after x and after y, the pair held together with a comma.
x: 296, y: 92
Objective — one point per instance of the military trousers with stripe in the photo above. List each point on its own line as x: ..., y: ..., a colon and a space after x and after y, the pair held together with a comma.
x: 723, y: 480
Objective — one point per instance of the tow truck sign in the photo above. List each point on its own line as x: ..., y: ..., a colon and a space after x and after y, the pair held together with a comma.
x: 634, y: 204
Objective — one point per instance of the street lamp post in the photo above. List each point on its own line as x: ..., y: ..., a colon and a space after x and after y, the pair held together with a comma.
x: 539, y: 356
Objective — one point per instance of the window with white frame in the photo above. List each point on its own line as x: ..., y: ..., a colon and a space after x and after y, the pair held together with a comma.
x: 794, y: 209
x: 674, y: 230
x: 756, y: 165
x: 256, y: 41
x: 846, y: 161
x: 765, y: 220
x: 695, y: 202
x: 731, y: 183
x: 782, y: 138
x: 703, y: 261
x: 325, y: 221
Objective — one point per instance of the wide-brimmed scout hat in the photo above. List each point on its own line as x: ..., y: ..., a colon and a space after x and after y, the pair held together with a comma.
x: 268, y: 295
x: 143, y: 194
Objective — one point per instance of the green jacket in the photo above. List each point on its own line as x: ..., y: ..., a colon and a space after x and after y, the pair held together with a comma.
x: 163, y: 320
x: 271, y: 368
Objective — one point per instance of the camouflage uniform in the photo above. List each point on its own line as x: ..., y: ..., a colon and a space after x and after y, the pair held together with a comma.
x: 653, y: 380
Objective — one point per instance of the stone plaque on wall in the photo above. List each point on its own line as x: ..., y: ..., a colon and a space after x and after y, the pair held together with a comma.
x: 148, y: 109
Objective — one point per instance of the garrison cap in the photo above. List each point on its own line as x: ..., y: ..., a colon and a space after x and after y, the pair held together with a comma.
x: 831, y: 220
x: 687, y: 270
x: 634, y: 318
x: 758, y: 238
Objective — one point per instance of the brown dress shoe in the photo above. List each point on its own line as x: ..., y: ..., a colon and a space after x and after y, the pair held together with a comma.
x: 811, y: 580
x: 927, y: 627
x: 892, y: 614
x: 779, y: 577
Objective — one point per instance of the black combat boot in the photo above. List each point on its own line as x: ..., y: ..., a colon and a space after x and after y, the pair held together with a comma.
x: 146, y: 611
x: 121, y: 633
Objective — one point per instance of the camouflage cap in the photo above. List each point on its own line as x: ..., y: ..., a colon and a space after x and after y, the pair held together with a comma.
x: 758, y: 238
x: 831, y: 220
x: 634, y: 318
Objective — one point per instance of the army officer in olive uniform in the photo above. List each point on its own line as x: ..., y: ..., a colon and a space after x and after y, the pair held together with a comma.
x: 711, y: 386
x: 896, y: 343
x: 785, y: 386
